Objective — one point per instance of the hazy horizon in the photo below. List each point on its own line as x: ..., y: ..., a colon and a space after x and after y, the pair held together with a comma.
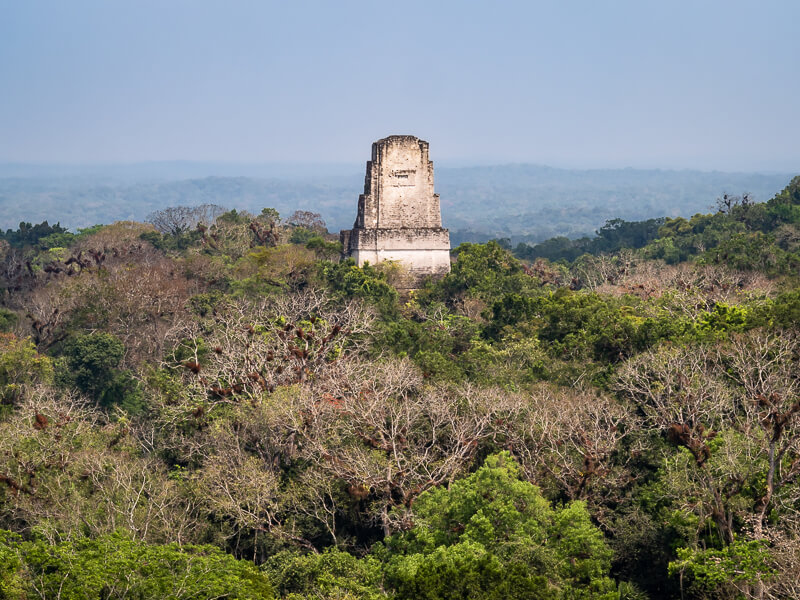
x: 521, y: 201
x: 293, y: 167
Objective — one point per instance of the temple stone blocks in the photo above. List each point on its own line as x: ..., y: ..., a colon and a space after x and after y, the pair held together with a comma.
x: 398, y: 214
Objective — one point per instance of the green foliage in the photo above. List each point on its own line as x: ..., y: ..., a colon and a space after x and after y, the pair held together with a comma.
x: 20, y: 365
x: 205, y: 304
x: 433, y: 343
x: 630, y: 591
x: 510, y: 311
x: 116, y: 566
x: 466, y: 570
x: 743, y: 561
x: 518, y: 360
x: 30, y: 235
x: 667, y: 250
x: 582, y: 324
x: 269, y: 215
x: 785, y: 310
x: 7, y: 320
x: 92, y: 360
x: 492, y: 535
x: 555, y: 249
x: 753, y: 252
x: 615, y: 235
x: 61, y: 238
x: 124, y: 391
x: 233, y: 217
x: 323, y: 249
x: 484, y: 271
x: 740, y: 235
x: 679, y: 239
x: 172, y: 241
x: 277, y: 269
x: 785, y: 206
x: 84, y: 232
x: 91, y: 364
x: 12, y: 583
x: 302, y: 236
x: 724, y: 318
x: 449, y: 347
x: 351, y: 281
x: 675, y: 227
x: 56, y: 240
x: 332, y: 574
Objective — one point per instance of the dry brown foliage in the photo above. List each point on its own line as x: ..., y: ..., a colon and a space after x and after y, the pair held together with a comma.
x: 65, y: 470
x: 256, y: 347
x: 112, y: 281
x: 389, y: 438
x: 695, y: 286
x: 574, y: 442
x: 745, y: 391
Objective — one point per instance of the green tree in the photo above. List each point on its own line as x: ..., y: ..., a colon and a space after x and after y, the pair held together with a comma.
x: 29, y: 235
x: 115, y: 567
x: 7, y: 320
x: 12, y: 584
x: 485, y: 271
x: 332, y: 574
x: 92, y: 362
x: 754, y: 251
x: 492, y: 535
x: 785, y: 206
x: 323, y: 249
x: 20, y: 365
x: 348, y: 280
x: 724, y: 572
x: 785, y: 310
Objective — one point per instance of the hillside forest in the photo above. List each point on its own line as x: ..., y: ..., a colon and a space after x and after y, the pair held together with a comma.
x: 213, y: 404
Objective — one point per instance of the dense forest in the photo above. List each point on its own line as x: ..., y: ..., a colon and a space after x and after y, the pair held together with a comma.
x: 211, y: 404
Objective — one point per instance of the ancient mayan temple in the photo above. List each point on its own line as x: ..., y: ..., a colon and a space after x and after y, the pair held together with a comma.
x: 398, y: 213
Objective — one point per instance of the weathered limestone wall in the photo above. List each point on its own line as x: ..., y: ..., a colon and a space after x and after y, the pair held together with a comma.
x: 398, y: 213
x: 425, y: 251
x: 398, y: 187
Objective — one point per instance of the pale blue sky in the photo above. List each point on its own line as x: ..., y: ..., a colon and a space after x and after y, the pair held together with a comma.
x: 671, y: 84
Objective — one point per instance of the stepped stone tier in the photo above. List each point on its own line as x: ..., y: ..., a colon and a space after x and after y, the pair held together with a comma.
x: 398, y: 213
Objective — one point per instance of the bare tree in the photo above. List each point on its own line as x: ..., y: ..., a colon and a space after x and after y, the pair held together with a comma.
x: 735, y: 411
x: 235, y: 484
x: 572, y: 440
x: 174, y: 220
x: 593, y: 272
x: 389, y: 438
x: 784, y: 546
x: 278, y: 341
x: 123, y: 286
x: 308, y: 220
x: 730, y: 202
x: 65, y: 470
x: 766, y: 370
x: 682, y: 395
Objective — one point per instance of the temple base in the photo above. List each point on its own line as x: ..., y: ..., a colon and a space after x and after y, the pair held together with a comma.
x: 423, y: 251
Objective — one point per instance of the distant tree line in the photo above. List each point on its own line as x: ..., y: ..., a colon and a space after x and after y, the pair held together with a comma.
x: 741, y: 233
